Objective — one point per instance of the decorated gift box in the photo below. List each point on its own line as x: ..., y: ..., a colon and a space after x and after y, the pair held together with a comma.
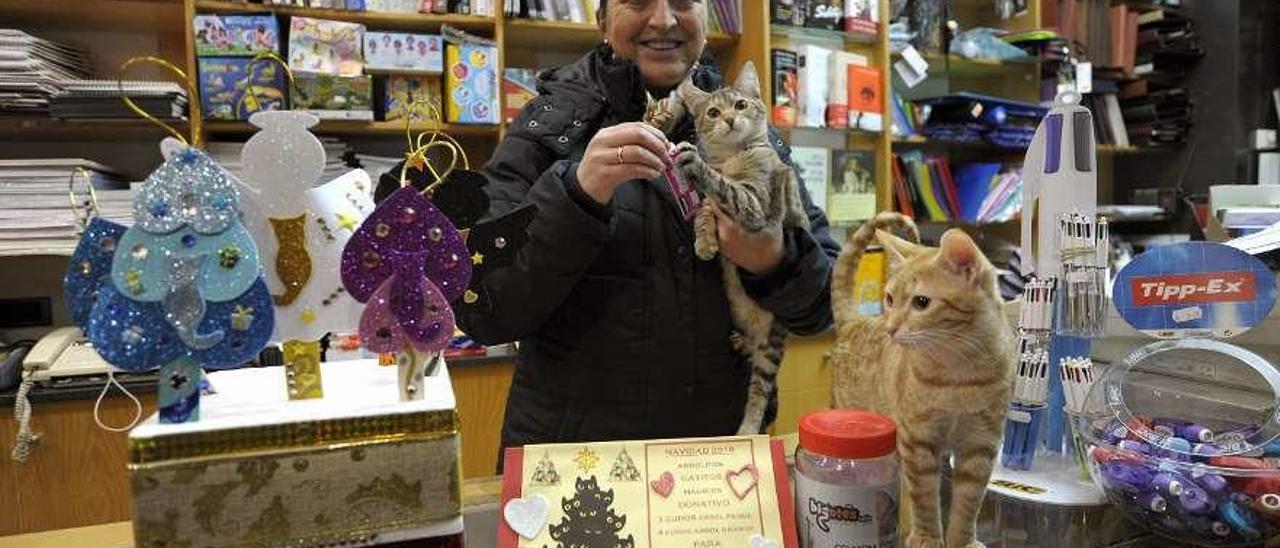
x: 403, y: 52
x: 355, y: 468
x: 323, y: 46
x: 224, y: 35
x: 334, y: 97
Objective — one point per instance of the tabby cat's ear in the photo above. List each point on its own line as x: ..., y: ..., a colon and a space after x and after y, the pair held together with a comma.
x: 691, y: 95
x: 748, y: 82
x: 896, y: 249
x: 959, y: 255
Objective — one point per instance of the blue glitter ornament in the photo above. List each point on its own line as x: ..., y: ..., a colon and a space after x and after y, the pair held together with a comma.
x: 90, y: 267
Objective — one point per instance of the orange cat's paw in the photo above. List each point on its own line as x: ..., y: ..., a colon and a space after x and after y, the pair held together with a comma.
x: 917, y: 540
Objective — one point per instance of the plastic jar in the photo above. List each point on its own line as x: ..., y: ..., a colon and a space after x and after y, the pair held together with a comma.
x: 847, y: 480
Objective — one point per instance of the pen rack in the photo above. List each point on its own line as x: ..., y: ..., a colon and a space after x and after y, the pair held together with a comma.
x: 1085, y: 246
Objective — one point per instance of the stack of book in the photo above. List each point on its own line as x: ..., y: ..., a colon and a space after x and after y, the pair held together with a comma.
x: 462, y: 7
x: 817, y: 87
x: 860, y: 19
x: 723, y: 16
x: 929, y: 187
x: 101, y: 99
x: 32, y: 70
x: 36, y: 214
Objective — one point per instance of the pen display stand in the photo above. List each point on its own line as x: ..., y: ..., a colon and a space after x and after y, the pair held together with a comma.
x: 1182, y: 435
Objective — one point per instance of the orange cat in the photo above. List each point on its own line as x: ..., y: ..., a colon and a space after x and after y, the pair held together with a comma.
x: 939, y: 361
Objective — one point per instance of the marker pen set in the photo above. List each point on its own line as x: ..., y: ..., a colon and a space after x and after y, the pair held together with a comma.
x: 1031, y: 386
x: 1036, y: 315
x: 1027, y: 410
x: 1077, y: 379
x: 1085, y: 243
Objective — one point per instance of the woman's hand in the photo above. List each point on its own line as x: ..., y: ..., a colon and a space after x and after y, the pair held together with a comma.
x: 633, y: 150
x: 755, y: 252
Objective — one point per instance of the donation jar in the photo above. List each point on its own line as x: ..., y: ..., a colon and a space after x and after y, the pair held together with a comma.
x: 847, y: 480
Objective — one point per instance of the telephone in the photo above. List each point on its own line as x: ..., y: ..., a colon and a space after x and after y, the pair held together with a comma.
x: 61, y: 354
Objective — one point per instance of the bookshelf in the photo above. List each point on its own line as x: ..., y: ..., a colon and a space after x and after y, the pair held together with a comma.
x: 381, y: 21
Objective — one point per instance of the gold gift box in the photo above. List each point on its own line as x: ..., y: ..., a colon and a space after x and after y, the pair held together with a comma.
x: 354, y: 468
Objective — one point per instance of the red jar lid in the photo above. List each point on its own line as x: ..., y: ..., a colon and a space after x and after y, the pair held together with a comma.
x: 848, y: 434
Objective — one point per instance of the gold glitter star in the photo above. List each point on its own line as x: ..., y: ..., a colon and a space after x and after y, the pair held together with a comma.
x: 346, y: 221
x: 470, y: 297
x: 586, y: 459
x: 416, y: 160
x: 242, y: 318
x: 477, y: 258
x: 308, y: 316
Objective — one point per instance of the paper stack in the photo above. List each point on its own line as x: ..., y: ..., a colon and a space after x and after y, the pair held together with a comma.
x: 102, y: 99
x: 32, y: 70
x: 36, y: 215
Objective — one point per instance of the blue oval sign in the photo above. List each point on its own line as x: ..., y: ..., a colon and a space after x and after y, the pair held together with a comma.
x: 1194, y: 289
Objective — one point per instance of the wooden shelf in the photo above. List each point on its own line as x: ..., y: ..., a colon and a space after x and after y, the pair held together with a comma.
x: 580, y: 37
x: 131, y: 15
x: 361, y: 127
x: 919, y: 141
x: 49, y: 129
x: 374, y: 20
x: 963, y: 67
x: 806, y: 33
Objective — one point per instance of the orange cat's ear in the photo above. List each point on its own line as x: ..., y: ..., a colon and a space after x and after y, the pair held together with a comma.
x: 691, y: 95
x: 748, y: 82
x: 960, y: 255
x: 896, y: 249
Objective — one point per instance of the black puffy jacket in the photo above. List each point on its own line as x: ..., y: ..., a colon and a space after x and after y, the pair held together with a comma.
x: 624, y: 333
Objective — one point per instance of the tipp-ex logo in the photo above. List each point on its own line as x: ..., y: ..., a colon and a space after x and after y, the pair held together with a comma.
x: 823, y: 513
x: 1208, y: 287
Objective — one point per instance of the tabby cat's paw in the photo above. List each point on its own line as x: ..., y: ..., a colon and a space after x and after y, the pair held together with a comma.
x: 916, y: 540
x: 686, y: 155
x: 706, y: 249
x: 972, y: 544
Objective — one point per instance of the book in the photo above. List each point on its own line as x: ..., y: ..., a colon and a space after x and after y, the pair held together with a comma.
x: 813, y: 79
x: 331, y: 97
x: 471, y: 83
x: 865, y: 97
x: 814, y: 164
x: 838, y: 87
x: 403, y: 90
x: 973, y: 181
x: 862, y: 18
x: 325, y: 47
x: 232, y: 35
x: 826, y: 14
x: 224, y: 82
x: 852, y: 195
x: 783, y: 12
x: 403, y: 52
x: 519, y: 86
x: 868, y: 283
x: 786, y: 86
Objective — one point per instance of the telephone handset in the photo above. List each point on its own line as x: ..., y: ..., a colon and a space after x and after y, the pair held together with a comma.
x: 64, y: 352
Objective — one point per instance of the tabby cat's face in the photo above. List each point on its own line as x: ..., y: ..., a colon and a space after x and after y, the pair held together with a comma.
x: 935, y: 296
x: 730, y: 118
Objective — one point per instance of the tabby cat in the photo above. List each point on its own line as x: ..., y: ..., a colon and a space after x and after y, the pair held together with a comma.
x: 744, y: 175
x: 939, y: 361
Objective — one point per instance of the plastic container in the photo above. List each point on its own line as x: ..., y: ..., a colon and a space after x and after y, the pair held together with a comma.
x: 847, y: 480
x: 1182, y: 437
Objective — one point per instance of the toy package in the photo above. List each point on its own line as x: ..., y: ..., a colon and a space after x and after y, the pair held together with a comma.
x: 325, y: 47
x: 223, y: 86
x: 519, y: 86
x: 332, y: 97
x: 228, y: 35
x: 472, y: 83
x: 403, y: 90
x: 403, y: 52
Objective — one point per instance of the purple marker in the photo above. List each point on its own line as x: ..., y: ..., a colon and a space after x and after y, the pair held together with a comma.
x: 1153, y: 502
x: 1195, y: 432
x: 1195, y: 500
x: 1212, y: 483
x: 1128, y: 476
x: 1136, y: 446
x: 1205, y: 449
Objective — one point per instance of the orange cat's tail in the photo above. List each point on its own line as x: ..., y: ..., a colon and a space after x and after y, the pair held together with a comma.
x: 844, y: 302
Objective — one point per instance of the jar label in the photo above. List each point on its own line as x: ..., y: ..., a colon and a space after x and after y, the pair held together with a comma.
x: 841, y: 516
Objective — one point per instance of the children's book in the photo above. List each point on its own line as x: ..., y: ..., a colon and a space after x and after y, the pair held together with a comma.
x: 224, y: 84
x: 325, y: 47
x: 519, y: 86
x: 403, y: 90
x: 852, y: 195
x: 862, y: 17
x: 471, y: 83
x: 403, y: 52
x: 231, y: 35
x: 332, y: 97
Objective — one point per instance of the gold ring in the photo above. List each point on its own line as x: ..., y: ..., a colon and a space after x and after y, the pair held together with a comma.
x: 620, y: 160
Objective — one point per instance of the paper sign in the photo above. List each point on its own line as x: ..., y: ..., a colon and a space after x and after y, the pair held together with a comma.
x: 1194, y: 289
x: 704, y: 492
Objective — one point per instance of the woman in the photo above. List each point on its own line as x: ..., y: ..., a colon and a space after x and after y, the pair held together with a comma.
x: 624, y: 333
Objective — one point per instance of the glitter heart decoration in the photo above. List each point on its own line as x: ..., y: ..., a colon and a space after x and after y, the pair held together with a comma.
x: 90, y: 267
x: 407, y: 261
x: 185, y: 278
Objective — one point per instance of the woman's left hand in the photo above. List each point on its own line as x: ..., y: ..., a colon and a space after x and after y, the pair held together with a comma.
x: 755, y: 252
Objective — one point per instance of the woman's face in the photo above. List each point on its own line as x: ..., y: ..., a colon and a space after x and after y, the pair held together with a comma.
x: 663, y: 37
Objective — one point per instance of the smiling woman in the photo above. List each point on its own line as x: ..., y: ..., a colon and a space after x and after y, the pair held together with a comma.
x: 624, y: 333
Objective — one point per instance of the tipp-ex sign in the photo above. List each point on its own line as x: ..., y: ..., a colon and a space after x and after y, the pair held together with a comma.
x: 1208, y: 287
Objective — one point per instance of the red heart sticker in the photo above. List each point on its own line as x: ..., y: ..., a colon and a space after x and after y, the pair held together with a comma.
x: 742, y: 480
x: 664, y: 484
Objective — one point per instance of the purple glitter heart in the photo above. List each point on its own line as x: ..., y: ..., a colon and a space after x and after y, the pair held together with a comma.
x: 379, y: 329
x: 406, y: 227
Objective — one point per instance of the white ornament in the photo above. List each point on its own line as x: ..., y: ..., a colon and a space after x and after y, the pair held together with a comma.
x: 282, y: 161
x: 528, y: 515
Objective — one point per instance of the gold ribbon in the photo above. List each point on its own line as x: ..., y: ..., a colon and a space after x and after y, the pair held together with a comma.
x: 417, y: 154
x: 193, y: 99
x: 250, y: 99
x: 93, y: 196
